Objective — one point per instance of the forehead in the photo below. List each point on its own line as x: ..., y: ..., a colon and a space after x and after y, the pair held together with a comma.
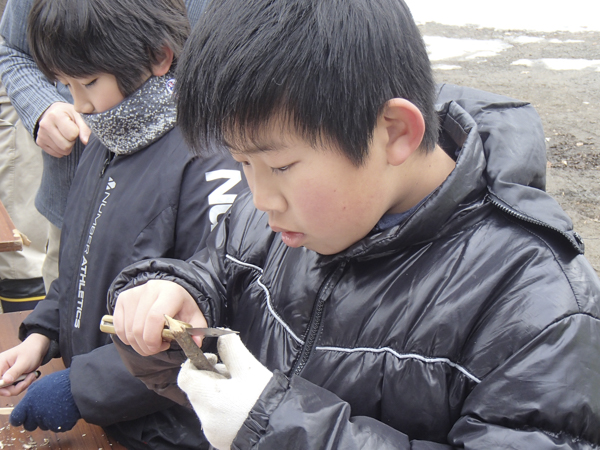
x: 273, y: 136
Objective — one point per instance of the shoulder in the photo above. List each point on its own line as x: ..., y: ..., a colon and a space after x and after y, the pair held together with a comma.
x: 246, y: 230
x: 13, y: 26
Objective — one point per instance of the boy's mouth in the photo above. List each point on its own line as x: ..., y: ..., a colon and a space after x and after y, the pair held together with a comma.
x: 290, y: 238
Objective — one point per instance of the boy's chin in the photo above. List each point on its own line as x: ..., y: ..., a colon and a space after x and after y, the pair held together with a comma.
x: 296, y: 240
x: 323, y: 249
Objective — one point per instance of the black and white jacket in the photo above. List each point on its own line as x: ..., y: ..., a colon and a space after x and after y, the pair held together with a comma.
x: 146, y: 196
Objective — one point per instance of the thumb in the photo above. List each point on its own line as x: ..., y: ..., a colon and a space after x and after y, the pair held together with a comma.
x: 18, y: 414
x: 84, y: 130
x: 197, y: 384
x: 13, y: 373
x: 235, y: 355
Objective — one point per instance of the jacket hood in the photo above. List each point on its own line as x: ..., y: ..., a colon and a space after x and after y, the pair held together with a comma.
x: 515, y: 151
x: 499, y: 147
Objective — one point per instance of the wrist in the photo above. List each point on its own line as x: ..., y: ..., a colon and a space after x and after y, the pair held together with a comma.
x: 40, y: 340
x: 38, y: 343
x: 36, y: 126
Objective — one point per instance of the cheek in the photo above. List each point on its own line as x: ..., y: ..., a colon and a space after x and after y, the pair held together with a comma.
x: 322, y: 208
x: 112, y: 100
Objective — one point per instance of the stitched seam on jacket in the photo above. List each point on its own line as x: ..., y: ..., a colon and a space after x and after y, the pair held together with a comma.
x: 268, y: 295
x: 416, y: 356
x: 347, y: 350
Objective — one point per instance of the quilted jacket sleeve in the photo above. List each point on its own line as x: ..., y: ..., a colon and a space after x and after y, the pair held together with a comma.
x: 159, y: 372
x: 105, y: 392
x: 45, y: 320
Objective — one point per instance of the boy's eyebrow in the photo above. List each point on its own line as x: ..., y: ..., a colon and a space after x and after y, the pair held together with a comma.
x: 254, y: 147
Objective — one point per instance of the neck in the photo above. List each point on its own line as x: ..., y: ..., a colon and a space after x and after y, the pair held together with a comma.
x: 420, y: 175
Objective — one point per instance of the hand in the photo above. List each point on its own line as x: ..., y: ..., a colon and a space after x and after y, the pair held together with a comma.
x: 23, y: 358
x: 139, y: 315
x: 48, y: 405
x: 59, y: 127
x: 222, y: 402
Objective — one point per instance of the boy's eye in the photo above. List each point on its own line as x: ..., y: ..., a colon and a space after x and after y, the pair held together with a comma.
x: 91, y: 83
x: 281, y: 169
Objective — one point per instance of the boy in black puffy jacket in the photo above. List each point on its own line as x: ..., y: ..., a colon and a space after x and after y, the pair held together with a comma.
x: 398, y: 276
x: 138, y: 193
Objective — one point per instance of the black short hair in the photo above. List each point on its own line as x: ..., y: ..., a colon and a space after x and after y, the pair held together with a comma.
x: 327, y: 67
x: 124, y: 38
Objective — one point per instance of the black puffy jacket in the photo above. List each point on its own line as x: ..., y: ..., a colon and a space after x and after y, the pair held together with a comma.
x: 156, y: 202
x: 474, y: 324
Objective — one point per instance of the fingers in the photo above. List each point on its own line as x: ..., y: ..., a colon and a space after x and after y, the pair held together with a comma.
x: 25, y: 358
x: 235, y: 355
x: 58, y: 129
x: 8, y: 372
x: 15, y: 389
x: 212, y: 358
x: 84, y: 130
x: 139, y: 315
x: 145, y: 332
x: 129, y: 319
x: 198, y: 383
x: 18, y: 416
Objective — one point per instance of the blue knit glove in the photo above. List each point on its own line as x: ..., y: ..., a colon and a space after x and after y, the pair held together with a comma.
x: 48, y: 404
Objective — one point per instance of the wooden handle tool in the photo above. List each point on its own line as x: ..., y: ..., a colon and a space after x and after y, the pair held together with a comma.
x: 107, y: 326
x: 178, y: 331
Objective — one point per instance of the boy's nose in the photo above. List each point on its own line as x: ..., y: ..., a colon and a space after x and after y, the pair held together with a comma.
x: 82, y: 105
x: 266, y: 198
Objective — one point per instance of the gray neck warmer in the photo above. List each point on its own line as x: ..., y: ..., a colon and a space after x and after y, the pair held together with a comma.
x: 140, y: 119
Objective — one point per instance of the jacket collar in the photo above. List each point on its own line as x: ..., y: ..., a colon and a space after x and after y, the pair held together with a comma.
x: 140, y: 119
x: 499, y: 158
x: 465, y: 184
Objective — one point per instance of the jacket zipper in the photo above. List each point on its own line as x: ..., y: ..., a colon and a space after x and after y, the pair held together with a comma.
x: 90, y: 214
x: 576, y: 241
x: 109, y: 157
x: 317, y: 315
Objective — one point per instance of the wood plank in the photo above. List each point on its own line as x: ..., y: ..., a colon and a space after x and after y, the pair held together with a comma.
x: 83, y: 436
x: 10, y: 240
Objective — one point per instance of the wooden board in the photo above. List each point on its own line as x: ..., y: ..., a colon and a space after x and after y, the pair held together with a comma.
x: 83, y: 436
x: 10, y: 240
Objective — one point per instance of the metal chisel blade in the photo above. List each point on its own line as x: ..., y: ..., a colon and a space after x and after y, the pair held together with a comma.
x: 209, y: 332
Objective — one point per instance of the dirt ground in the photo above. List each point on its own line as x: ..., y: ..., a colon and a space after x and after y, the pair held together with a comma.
x: 568, y: 102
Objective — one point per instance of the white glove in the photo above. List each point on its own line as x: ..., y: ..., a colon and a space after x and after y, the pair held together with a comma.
x: 223, y: 401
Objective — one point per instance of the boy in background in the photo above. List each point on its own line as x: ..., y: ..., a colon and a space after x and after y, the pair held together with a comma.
x: 398, y: 277
x: 138, y: 193
x: 46, y: 112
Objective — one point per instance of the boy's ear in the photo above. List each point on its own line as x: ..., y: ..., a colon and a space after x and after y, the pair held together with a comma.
x: 405, y: 128
x: 165, y: 60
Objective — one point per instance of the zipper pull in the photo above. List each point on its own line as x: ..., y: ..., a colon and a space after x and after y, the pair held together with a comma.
x: 109, y: 157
